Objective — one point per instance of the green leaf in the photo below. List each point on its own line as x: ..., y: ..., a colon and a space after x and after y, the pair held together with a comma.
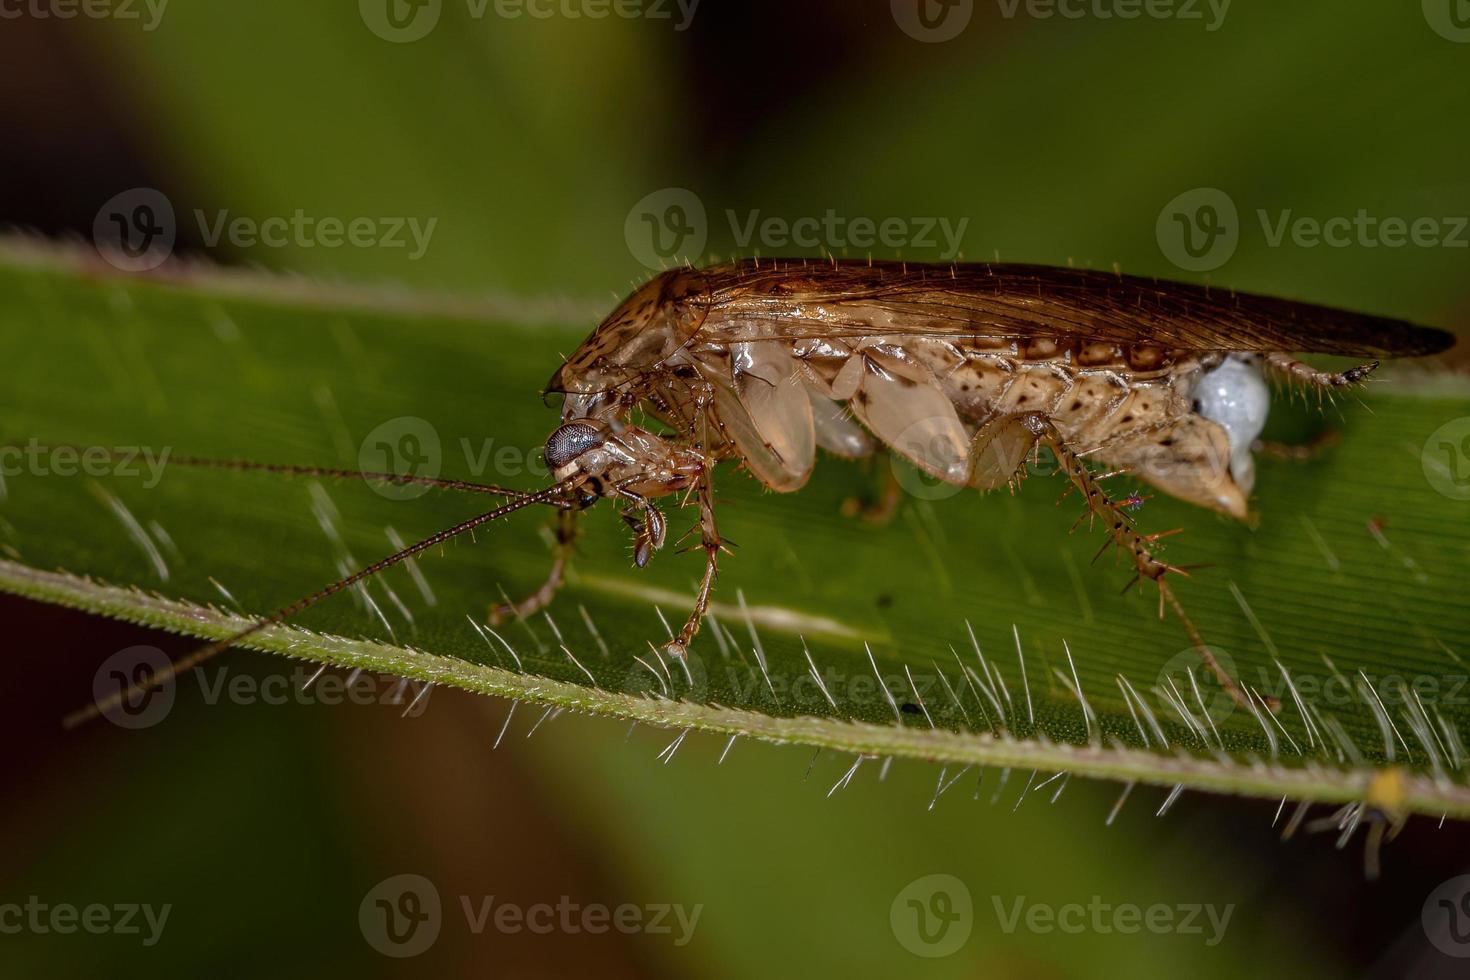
x: 997, y: 643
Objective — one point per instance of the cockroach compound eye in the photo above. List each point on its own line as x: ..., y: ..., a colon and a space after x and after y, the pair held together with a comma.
x: 569, y: 442
x: 962, y: 370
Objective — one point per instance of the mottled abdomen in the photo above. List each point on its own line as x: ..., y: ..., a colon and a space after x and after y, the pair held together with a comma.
x: 951, y: 407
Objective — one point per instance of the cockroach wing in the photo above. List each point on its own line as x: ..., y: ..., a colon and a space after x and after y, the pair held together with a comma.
x: 1010, y: 301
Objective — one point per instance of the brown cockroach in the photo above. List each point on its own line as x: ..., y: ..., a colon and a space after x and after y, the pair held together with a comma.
x: 962, y: 370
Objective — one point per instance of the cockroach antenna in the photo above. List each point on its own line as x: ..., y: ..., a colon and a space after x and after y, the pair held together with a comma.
x: 555, y: 495
x: 327, y: 472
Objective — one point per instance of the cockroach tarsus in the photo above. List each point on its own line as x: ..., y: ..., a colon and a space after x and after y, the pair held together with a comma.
x: 962, y: 370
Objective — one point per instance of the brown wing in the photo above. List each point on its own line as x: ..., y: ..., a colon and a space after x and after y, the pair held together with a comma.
x: 844, y: 299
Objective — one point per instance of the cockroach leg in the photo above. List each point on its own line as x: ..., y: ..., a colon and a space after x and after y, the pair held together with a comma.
x: 709, y: 541
x: 1287, y: 367
x: 650, y: 528
x: 566, y: 534
x: 890, y: 494
x: 1297, y: 452
x: 1128, y: 539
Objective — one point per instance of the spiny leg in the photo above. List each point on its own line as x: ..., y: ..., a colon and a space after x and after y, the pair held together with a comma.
x: 890, y: 495
x: 1289, y: 370
x: 649, y: 527
x: 1297, y: 452
x: 709, y: 541
x: 561, y: 556
x: 1128, y: 539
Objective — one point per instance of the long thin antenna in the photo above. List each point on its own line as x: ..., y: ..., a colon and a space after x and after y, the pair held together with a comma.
x: 397, y: 479
x: 546, y: 496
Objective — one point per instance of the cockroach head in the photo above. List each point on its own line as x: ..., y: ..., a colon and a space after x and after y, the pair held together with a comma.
x: 569, y: 442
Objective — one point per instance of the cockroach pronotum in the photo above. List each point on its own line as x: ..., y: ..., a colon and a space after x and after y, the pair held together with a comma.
x: 962, y: 370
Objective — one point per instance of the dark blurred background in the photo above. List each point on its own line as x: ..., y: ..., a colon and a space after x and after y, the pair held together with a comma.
x: 1057, y: 138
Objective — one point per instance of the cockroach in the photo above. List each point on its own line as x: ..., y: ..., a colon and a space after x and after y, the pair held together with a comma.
x: 962, y: 370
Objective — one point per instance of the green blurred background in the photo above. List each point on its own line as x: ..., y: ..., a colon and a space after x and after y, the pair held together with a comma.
x: 543, y: 147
